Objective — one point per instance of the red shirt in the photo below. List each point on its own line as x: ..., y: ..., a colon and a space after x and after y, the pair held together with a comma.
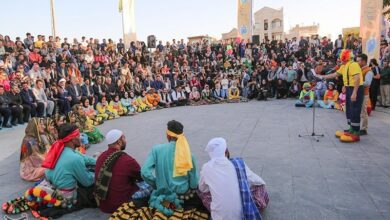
x: 122, y: 186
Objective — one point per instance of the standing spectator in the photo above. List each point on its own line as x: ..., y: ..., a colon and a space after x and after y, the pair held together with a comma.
x: 385, y: 85
x: 375, y: 84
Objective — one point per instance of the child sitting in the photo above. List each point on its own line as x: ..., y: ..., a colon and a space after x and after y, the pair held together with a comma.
x: 330, y: 97
x: 306, y: 98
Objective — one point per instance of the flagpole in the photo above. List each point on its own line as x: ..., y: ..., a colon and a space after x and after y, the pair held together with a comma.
x: 123, y: 32
x: 53, y: 19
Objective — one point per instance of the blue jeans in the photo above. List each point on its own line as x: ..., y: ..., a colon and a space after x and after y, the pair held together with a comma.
x: 224, y: 93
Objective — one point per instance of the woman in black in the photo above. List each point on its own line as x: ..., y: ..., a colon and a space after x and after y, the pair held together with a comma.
x: 375, y: 82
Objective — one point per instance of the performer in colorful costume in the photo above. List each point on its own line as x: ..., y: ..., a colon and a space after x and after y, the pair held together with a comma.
x: 172, y: 171
x: 306, y: 98
x: 86, y: 125
x: 353, y: 82
x: 330, y: 98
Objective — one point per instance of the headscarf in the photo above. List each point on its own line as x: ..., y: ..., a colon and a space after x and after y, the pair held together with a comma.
x: 183, y: 158
x: 216, y: 149
x: 52, y: 137
x: 32, y: 133
x: 80, y: 120
x: 56, y: 149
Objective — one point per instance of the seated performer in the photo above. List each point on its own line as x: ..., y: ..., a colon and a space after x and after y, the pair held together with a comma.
x: 86, y: 125
x: 306, y: 98
x: 224, y: 184
x: 33, y: 152
x: 67, y: 174
x: 172, y: 172
x: 116, y: 106
x: 127, y: 103
x: 153, y: 97
x: 330, y: 98
x: 234, y: 93
x: 116, y: 188
x: 104, y: 110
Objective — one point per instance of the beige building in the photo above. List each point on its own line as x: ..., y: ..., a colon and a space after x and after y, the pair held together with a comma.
x: 303, y: 31
x: 230, y: 36
x: 269, y: 24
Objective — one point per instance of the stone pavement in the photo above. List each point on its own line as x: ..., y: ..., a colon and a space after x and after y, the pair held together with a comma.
x: 305, y: 179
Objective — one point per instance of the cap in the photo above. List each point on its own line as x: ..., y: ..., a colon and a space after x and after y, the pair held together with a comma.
x: 62, y: 80
x: 113, y: 136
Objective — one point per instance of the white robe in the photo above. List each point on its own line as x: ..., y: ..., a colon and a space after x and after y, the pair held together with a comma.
x: 220, y: 178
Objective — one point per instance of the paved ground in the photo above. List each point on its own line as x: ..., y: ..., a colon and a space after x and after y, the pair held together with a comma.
x: 306, y: 179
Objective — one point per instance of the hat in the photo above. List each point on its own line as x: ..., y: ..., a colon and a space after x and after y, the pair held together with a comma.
x: 62, y: 80
x: 113, y: 136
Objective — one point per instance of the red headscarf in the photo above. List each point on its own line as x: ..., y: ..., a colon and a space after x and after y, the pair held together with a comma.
x: 56, y: 150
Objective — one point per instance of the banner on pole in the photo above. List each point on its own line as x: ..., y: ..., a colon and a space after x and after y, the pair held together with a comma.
x: 128, y: 21
x: 370, y: 27
x: 244, y: 19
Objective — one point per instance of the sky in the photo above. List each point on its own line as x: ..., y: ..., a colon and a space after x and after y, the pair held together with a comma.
x: 166, y: 19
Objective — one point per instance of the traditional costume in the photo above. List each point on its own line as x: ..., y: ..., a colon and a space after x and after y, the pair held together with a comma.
x: 33, y: 151
x: 173, y: 173
x: 105, y: 111
x: 223, y: 185
x: 116, y: 175
x: 127, y: 103
x: 348, y: 71
x: 86, y: 125
x: 116, y: 107
x: 153, y: 98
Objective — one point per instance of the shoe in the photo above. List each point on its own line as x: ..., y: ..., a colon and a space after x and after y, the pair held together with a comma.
x: 14, y: 124
x: 363, y: 132
x: 350, y: 138
x: 341, y: 133
x: 7, y: 126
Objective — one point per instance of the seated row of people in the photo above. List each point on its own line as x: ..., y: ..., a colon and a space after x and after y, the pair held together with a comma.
x: 168, y: 183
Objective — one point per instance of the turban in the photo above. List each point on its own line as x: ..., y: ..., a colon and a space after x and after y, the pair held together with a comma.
x: 56, y: 149
x: 183, y: 159
x: 216, y: 148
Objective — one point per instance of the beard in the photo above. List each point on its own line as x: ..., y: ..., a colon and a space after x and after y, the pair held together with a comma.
x: 123, y: 146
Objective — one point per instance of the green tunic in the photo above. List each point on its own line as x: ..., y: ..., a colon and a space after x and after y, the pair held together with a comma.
x: 157, y: 170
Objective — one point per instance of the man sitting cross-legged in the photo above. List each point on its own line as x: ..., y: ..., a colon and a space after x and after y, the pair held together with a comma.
x: 116, y: 173
x: 228, y: 188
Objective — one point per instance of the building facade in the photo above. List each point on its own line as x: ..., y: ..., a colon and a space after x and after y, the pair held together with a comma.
x: 269, y: 24
x: 303, y: 31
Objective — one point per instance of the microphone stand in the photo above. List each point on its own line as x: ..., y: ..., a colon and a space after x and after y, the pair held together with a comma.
x: 313, y: 133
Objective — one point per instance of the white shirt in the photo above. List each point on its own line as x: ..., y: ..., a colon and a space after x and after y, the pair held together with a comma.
x: 225, y: 83
x: 219, y: 177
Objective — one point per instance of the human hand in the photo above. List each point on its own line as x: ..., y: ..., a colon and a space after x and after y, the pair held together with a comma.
x: 353, y: 97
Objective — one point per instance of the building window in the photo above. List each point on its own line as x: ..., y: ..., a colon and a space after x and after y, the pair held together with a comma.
x: 277, y: 23
x: 266, y: 24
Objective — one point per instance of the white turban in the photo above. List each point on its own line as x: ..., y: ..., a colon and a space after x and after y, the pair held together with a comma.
x: 216, y: 148
x: 113, y: 136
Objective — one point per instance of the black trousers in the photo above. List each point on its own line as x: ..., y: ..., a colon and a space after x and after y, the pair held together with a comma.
x: 6, y: 113
x: 26, y: 112
x: 17, y: 114
x: 374, y: 88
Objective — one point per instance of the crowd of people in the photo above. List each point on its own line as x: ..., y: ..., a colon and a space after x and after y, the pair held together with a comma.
x: 64, y: 90
x: 42, y: 77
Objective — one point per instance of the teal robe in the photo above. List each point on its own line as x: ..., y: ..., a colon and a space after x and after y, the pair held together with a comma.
x: 70, y: 170
x: 157, y: 170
